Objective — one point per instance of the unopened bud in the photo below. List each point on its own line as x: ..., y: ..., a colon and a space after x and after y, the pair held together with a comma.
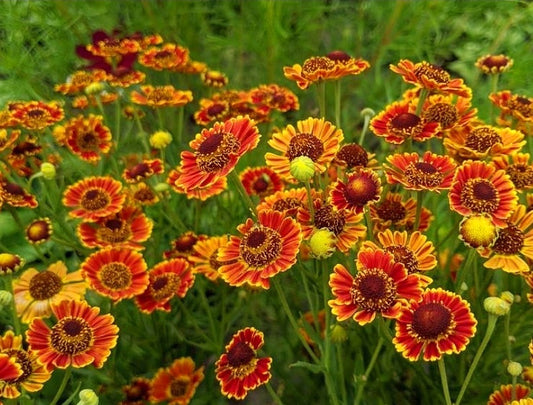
x: 496, y: 306
x: 367, y: 112
x: 160, y: 139
x: 507, y: 296
x: 48, y: 170
x: 514, y: 368
x: 88, y: 397
x: 322, y: 243
x: 338, y: 334
x: 302, y: 168
x: 161, y: 187
x: 5, y: 298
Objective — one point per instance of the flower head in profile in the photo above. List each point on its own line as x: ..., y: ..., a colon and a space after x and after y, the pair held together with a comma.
x: 315, y: 138
x: 80, y: 336
x: 10, y: 263
x: 177, y: 383
x: 381, y: 286
x: 261, y: 181
x: 288, y: 201
x: 216, y: 151
x: 494, y: 64
x: 35, y: 291
x: 505, y: 394
x: 161, y: 96
x: 265, y: 248
x: 441, y: 323
x: 273, y: 97
x: 513, y: 105
x: 204, y: 257
x: 183, y: 245
x: 431, y: 77
x: 39, y: 231
x: 137, y: 392
x: 239, y: 369
x: 214, y: 78
x: 167, y: 57
x: 143, y: 170
x: 33, y: 374
x: 14, y: 195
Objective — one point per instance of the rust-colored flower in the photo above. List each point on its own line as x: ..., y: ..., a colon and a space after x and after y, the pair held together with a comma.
x: 37, y: 115
x: 167, y: 279
x: 360, y: 188
x: 398, y: 122
x: 289, y: 202
x: 94, y: 197
x: 441, y: 323
x: 117, y: 273
x: 35, y: 291
x: 266, y: 248
x: 183, y: 245
x: 130, y: 78
x: 127, y: 228
x: 8, y: 137
x: 239, y: 369
x: 494, y: 64
x: 478, y: 188
x: 167, y: 57
x: 204, y: 258
x: 515, y: 105
x: 161, y: 96
x: 141, y: 194
x: 427, y: 172
x: 216, y: 151
x: 393, y: 211
x: 273, y: 97
x: 79, y: 337
x: 345, y: 224
x: 431, y: 77
x: 201, y: 193
x: 39, y: 231
x: 519, y: 169
x: 80, y: 80
x: 14, y: 195
x: 315, y: 138
x: 212, y: 110
x: 87, y: 137
x: 33, y: 374
x: 381, y: 286
x: 214, y: 78
x: 512, y: 249
x: 177, y: 383
x: 352, y: 155
x: 144, y: 170
x: 451, y: 112
x: 483, y: 141
x: 137, y: 392
x: 506, y: 393
x: 260, y: 181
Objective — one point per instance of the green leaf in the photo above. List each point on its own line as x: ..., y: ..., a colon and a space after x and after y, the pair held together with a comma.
x: 314, y: 368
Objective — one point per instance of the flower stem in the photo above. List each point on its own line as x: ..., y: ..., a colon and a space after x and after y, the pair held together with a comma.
x: 243, y: 193
x: 444, y: 380
x: 488, y: 333
x: 419, y: 201
x: 321, y: 94
x: 61, y: 388
x: 364, y: 379
x: 273, y: 394
x: 310, y: 201
x: 338, y: 103
x: 9, y: 287
x: 421, y: 98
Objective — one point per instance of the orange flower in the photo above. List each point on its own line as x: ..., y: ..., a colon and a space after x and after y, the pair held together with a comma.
x: 479, y: 188
x: 451, y: 112
x: 506, y: 393
x: 494, y: 64
x: 37, y: 115
x: 176, y: 384
x: 212, y: 110
x: 266, y: 248
x: 353, y: 155
x: 137, y: 392
x: 79, y: 80
x: 517, y: 106
x: 335, y: 65
x: 441, y: 323
x: 127, y: 228
x: 183, y: 245
x: 346, y: 225
x: 393, y: 211
x: 431, y: 77
x: 430, y: 172
x: 129, y: 78
x: 141, y: 194
x: 169, y: 56
x: 519, y: 169
x: 33, y: 374
x: 289, y: 202
x: 398, y: 123
x: 167, y: 279
x: 217, y: 151
x: 161, y: 96
x: 361, y: 187
x: 80, y: 336
x: 87, y: 137
x: 116, y: 273
x: 513, y: 248
x: 14, y: 195
x: 483, y: 141
x: 260, y: 181
x: 239, y: 370
x: 381, y: 286
x: 8, y: 137
x: 315, y: 138
x: 205, y: 256
x: 201, y: 193
x: 35, y: 292
x: 143, y: 170
x: 94, y: 197
x: 274, y: 97
x: 10, y: 263
x: 214, y: 78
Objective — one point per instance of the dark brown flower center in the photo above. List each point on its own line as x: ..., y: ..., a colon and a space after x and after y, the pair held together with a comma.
x: 260, y: 185
x: 288, y: 205
x: 433, y: 72
x: 23, y: 359
x: 95, y: 199
x: 115, y: 276
x: 479, y: 195
x: 423, y: 175
x: 216, y: 109
x: 497, y: 61
x: 482, y: 138
x: 353, y: 155
x: 114, y: 231
x: 404, y: 256
x: 160, y: 94
x: 87, y: 141
x: 405, y: 121
x: 305, y: 145
x: 510, y: 241
x: 431, y: 320
x: 443, y: 113
x: 216, y: 150
x: 521, y: 175
x: 179, y: 386
x: 164, y: 286
x: 260, y: 246
x: 391, y: 210
x: 185, y: 243
x: 317, y: 63
x: 360, y: 190
x: 339, y: 56
x: 45, y: 285
x: 373, y: 290
x: 240, y: 354
x: 71, y: 335
x: 139, y: 170
x: 14, y: 189
x: 36, y: 113
x: 327, y: 217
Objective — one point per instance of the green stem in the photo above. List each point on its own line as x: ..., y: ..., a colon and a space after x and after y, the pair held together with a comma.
x: 179, y: 128
x: 273, y: 394
x: 488, y: 333
x: 61, y: 388
x: 340, y: 365
x: 369, y: 225
x: 444, y: 380
x: 508, y: 333
x: 327, y: 341
x: 421, y: 99
x: 419, y: 201
x: 321, y: 95
x: 366, y: 123
x: 494, y: 88
x: 338, y: 103
x: 9, y: 287
x: 465, y: 268
x: 364, y: 379
x: 243, y: 193
x: 310, y: 202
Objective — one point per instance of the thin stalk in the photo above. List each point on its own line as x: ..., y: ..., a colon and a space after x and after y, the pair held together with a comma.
x: 419, y: 202
x: 488, y: 333
x: 338, y: 103
x: 369, y: 226
x: 444, y: 381
x: 369, y: 368
x: 273, y: 394
x: 61, y: 388
x: 179, y: 128
x: 340, y: 360
x: 243, y: 193
x: 494, y: 88
x: 321, y: 96
x: 8, y: 283
x: 508, y: 333
x: 326, y: 359
x: 364, y: 130
x: 421, y: 99
x: 310, y: 202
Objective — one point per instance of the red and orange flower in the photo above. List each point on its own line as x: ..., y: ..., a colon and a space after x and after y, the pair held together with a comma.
x: 183, y: 245
x: 87, y: 137
x: 9, y: 368
x: 441, y: 323
x: 94, y: 197
x: 204, y: 258
x: 15, y: 196
x: 479, y: 188
x: 161, y: 96
x: 144, y: 170
x: 260, y: 181
x: 37, y: 115
x: 216, y: 152
x: 274, y: 97
x: 494, y: 64
x: 266, y: 248
x: 177, y: 383
x: 519, y: 169
x: 168, y: 57
x: 201, y: 193
x: 507, y: 393
x: 167, y: 279
x: 80, y: 80
x: 239, y: 369
x: 381, y: 286
x: 315, y: 138
x: 117, y: 273
x: 288, y: 201
x: 428, y: 172
x: 360, y: 188
x: 514, y: 105
x: 79, y: 337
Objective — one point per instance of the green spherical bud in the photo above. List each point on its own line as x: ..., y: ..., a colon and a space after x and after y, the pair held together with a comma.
x: 88, y: 397
x: 322, y: 243
x: 496, y: 306
x: 302, y: 168
x: 161, y: 187
x: 6, y: 298
x: 48, y: 170
x: 338, y: 334
x: 514, y: 368
x: 367, y: 113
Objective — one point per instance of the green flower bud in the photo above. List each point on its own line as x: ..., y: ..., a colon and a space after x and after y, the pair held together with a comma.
x: 161, y: 187
x: 322, y: 243
x: 338, y: 333
x: 514, y: 368
x: 48, y: 170
x: 507, y: 296
x: 88, y: 397
x: 6, y: 298
x: 302, y: 168
x: 496, y: 306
